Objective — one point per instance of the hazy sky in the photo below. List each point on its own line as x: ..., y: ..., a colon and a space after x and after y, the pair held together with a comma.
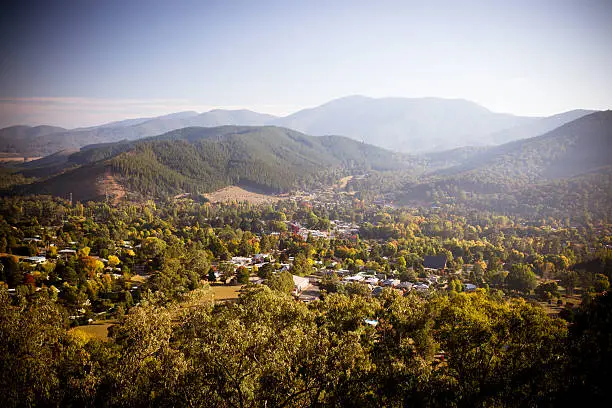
x: 84, y: 62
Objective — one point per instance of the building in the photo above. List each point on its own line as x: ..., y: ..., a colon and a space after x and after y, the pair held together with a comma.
x: 35, y: 259
x: 299, y: 284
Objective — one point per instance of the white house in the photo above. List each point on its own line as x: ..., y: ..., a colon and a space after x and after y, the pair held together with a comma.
x: 35, y: 259
x: 372, y: 281
x: 300, y: 284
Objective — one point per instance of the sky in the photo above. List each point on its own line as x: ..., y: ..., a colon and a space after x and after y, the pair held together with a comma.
x: 85, y: 62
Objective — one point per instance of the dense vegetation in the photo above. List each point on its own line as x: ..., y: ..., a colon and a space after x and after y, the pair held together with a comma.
x: 205, y: 159
x: 175, y: 346
x: 564, y: 174
x: 269, y: 350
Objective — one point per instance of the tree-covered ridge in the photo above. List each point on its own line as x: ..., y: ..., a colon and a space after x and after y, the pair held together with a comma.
x: 576, y: 148
x: 205, y: 159
x: 44, y: 140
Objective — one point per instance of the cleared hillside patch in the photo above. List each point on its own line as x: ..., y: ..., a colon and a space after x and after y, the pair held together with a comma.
x: 238, y: 194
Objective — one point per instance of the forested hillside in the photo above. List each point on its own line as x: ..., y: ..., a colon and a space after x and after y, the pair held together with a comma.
x: 198, y: 160
x: 566, y: 172
x: 576, y: 148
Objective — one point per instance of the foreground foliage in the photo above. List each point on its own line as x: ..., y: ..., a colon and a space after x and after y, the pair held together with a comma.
x: 269, y: 350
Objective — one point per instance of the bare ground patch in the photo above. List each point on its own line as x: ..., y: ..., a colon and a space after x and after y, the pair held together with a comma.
x: 341, y: 185
x: 234, y: 193
x: 109, y: 185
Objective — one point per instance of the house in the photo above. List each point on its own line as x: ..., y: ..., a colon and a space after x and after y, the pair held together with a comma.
x: 405, y: 285
x: 300, y: 283
x: 437, y: 262
x: 391, y: 282
x: 28, y: 240
x: 470, y: 287
x: 258, y: 258
x: 421, y: 287
x: 241, y: 260
x: 377, y: 291
x: 371, y: 322
x: 35, y: 259
x: 67, y: 253
x: 372, y: 281
x: 354, y: 278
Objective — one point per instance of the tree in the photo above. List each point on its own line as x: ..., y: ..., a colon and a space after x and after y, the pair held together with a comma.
x: 226, y: 270
x: 83, y: 252
x: 569, y: 280
x: 601, y: 282
x: 31, y: 343
x: 589, y: 365
x: 152, y: 247
x: 91, y: 266
x: 521, y: 278
x: 281, y: 282
x: 547, y: 290
x: 408, y: 275
x: 301, y: 266
x: 113, y: 261
x: 506, y: 339
x: 12, y: 271
x: 266, y: 270
x: 401, y: 263
x: 242, y: 275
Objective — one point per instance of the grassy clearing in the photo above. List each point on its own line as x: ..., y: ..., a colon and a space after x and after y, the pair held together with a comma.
x: 553, y: 309
x: 97, y: 330
x: 226, y: 293
x: 233, y: 193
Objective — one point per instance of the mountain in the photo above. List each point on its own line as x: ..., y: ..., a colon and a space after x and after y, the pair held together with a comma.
x: 30, y: 142
x: 415, y: 125
x: 538, y: 127
x: 205, y: 159
x: 404, y: 124
x: 565, y: 173
x: 137, y: 121
x: 579, y: 147
x: 21, y: 139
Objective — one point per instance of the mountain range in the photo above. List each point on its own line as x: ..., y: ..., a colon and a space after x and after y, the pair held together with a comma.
x: 413, y: 125
x: 274, y: 159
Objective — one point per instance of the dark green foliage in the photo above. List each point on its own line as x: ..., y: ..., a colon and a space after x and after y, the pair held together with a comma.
x: 589, y: 366
x: 521, y: 278
x: 198, y: 160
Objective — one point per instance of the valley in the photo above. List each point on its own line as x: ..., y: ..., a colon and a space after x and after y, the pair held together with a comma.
x: 220, y: 245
